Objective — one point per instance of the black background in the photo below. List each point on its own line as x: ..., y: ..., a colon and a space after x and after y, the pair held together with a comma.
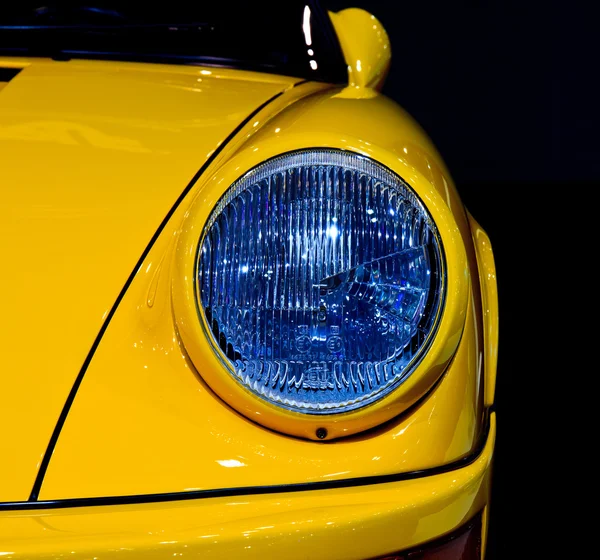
x: 507, y: 91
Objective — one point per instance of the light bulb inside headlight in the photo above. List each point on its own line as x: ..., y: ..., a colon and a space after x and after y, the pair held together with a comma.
x: 320, y: 277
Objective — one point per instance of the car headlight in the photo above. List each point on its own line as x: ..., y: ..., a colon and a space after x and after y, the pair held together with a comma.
x: 320, y: 280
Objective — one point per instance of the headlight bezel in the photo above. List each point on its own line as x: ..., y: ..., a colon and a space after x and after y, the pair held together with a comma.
x: 211, y: 363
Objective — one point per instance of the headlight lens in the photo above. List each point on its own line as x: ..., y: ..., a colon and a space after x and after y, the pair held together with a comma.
x: 320, y: 276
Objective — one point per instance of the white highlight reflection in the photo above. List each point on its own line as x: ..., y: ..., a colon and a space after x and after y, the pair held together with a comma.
x: 230, y: 463
x: 332, y: 231
x: 306, y: 26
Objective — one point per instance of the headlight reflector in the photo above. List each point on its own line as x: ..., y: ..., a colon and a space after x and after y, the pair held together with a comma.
x: 320, y: 276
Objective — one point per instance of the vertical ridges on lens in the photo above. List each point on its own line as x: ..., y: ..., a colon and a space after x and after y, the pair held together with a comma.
x: 321, y: 273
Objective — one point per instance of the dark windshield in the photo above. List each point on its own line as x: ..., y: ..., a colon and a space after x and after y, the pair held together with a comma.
x: 293, y: 38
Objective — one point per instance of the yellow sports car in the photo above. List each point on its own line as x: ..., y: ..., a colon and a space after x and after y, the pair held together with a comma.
x: 245, y: 312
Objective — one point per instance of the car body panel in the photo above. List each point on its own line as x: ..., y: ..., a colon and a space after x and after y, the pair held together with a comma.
x: 489, y: 297
x: 118, y: 164
x: 94, y: 156
x: 145, y: 422
x: 352, y: 522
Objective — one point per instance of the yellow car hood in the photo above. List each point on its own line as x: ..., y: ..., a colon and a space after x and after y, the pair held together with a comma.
x: 94, y: 155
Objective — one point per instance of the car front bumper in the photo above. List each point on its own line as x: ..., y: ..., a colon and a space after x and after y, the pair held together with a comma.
x: 357, y: 520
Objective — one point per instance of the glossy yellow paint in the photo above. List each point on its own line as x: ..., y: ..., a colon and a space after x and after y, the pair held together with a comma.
x: 489, y: 291
x: 94, y: 155
x: 144, y: 420
x: 366, y: 47
x: 349, y: 523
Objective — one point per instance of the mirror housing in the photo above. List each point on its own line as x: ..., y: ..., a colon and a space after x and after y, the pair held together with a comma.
x: 366, y: 47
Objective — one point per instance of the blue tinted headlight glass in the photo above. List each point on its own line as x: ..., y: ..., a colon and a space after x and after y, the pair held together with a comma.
x: 320, y: 276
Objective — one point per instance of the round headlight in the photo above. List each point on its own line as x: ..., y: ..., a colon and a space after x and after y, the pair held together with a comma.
x: 320, y: 277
